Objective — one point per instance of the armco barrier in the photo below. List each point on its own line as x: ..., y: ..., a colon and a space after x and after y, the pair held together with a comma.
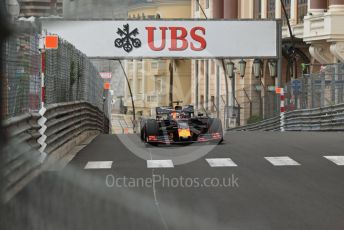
x: 66, y: 125
x: 272, y: 124
x: 330, y: 118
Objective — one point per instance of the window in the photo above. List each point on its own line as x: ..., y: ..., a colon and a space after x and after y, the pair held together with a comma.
x: 139, y: 86
x: 287, y: 8
x: 139, y: 67
x: 257, y: 9
x: 212, y: 71
x: 158, y: 88
x: 207, y: 5
x: 271, y: 9
x: 130, y: 67
x: 131, y: 85
x: 202, y: 101
x: 202, y: 67
x: 302, y: 9
x: 154, y: 64
x: 196, y: 5
x: 212, y: 99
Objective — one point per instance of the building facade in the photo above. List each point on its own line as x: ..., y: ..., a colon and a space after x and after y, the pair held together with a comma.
x: 92, y: 9
x: 40, y: 8
x: 317, y: 27
x: 153, y: 82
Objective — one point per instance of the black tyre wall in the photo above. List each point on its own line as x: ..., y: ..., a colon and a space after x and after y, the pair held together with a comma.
x: 152, y: 128
x: 215, y: 125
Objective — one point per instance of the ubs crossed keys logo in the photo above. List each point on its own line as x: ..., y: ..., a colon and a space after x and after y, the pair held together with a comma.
x: 128, y: 39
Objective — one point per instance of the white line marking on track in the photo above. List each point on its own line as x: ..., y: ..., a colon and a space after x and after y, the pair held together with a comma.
x: 221, y: 162
x: 282, y: 161
x: 156, y: 198
x: 98, y: 165
x: 338, y: 160
x: 160, y: 164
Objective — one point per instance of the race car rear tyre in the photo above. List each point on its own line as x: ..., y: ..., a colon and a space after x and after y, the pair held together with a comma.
x: 215, y: 126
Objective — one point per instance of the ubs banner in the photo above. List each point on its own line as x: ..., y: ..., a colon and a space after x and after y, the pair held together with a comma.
x: 169, y: 38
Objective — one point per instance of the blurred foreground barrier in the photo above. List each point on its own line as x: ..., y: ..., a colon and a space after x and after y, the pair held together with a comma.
x: 35, y: 146
x: 330, y: 118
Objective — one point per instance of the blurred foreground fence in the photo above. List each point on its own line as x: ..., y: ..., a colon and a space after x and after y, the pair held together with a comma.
x: 76, y: 105
x: 69, y: 74
x: 67, y: 124
x: 22, y: 64
x: 329, y: 118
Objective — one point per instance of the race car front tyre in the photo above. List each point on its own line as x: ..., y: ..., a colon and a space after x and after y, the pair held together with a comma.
x: 215, y: 126
x: 151, y: 129
x: 142, y: 130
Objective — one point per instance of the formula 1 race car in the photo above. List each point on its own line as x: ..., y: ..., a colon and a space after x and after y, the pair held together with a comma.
x: 180, y: 125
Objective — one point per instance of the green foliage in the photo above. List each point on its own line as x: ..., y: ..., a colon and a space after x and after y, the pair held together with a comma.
x: 254, y: 119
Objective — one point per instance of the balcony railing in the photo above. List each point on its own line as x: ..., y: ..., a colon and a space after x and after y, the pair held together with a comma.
x: 327, y: 26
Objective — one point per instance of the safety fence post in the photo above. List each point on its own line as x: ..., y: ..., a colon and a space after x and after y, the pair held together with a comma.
x: 282, y: 110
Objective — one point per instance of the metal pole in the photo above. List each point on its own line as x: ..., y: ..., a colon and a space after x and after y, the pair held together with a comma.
x: 131, y: 95
x: 226, y: 112
x: 249, y: 100
x: 227, y: 93
x: 171, y: 83
x: 282, y: 111
x: 196, y: 85
x: 217, y: 91
x: 279, y: 62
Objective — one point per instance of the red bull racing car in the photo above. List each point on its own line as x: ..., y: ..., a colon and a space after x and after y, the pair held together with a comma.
x: 180, y: 125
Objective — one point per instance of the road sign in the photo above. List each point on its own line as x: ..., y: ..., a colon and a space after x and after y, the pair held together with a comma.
x: 296, y: 85
x: 51, y: 42
x: 169, y: 38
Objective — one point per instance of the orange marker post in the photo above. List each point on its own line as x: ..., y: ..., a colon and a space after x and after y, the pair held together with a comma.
x: 107, y: 85
x: 51, y: 42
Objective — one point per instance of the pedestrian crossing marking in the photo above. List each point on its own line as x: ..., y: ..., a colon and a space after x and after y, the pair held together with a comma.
x: 221, y: 162
x: 160, y: 164
x: 99, y: 165
x: 282, y: 161
x: 338, y: 160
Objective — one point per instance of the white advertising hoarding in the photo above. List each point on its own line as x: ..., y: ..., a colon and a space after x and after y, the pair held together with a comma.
x: 106, y: 75
x: 169, y: 38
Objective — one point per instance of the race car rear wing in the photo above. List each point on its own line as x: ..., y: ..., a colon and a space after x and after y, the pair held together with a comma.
x: 167, y: 110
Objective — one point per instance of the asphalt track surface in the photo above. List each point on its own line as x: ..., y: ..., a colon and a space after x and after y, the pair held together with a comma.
x: 261, y: 196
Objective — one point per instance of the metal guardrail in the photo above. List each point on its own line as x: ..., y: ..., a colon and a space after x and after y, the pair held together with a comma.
x: 272, y: 124
x: 330, y: 118
x: 68, y: 120
x: 65, y: 122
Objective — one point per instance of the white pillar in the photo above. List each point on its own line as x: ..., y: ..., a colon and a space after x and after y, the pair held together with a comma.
x: 144, y: 80
x: 264, y: 7
x: 278, y: 9
x: 126, y: 90
x: 134, y: 87
x: 293, y: 12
